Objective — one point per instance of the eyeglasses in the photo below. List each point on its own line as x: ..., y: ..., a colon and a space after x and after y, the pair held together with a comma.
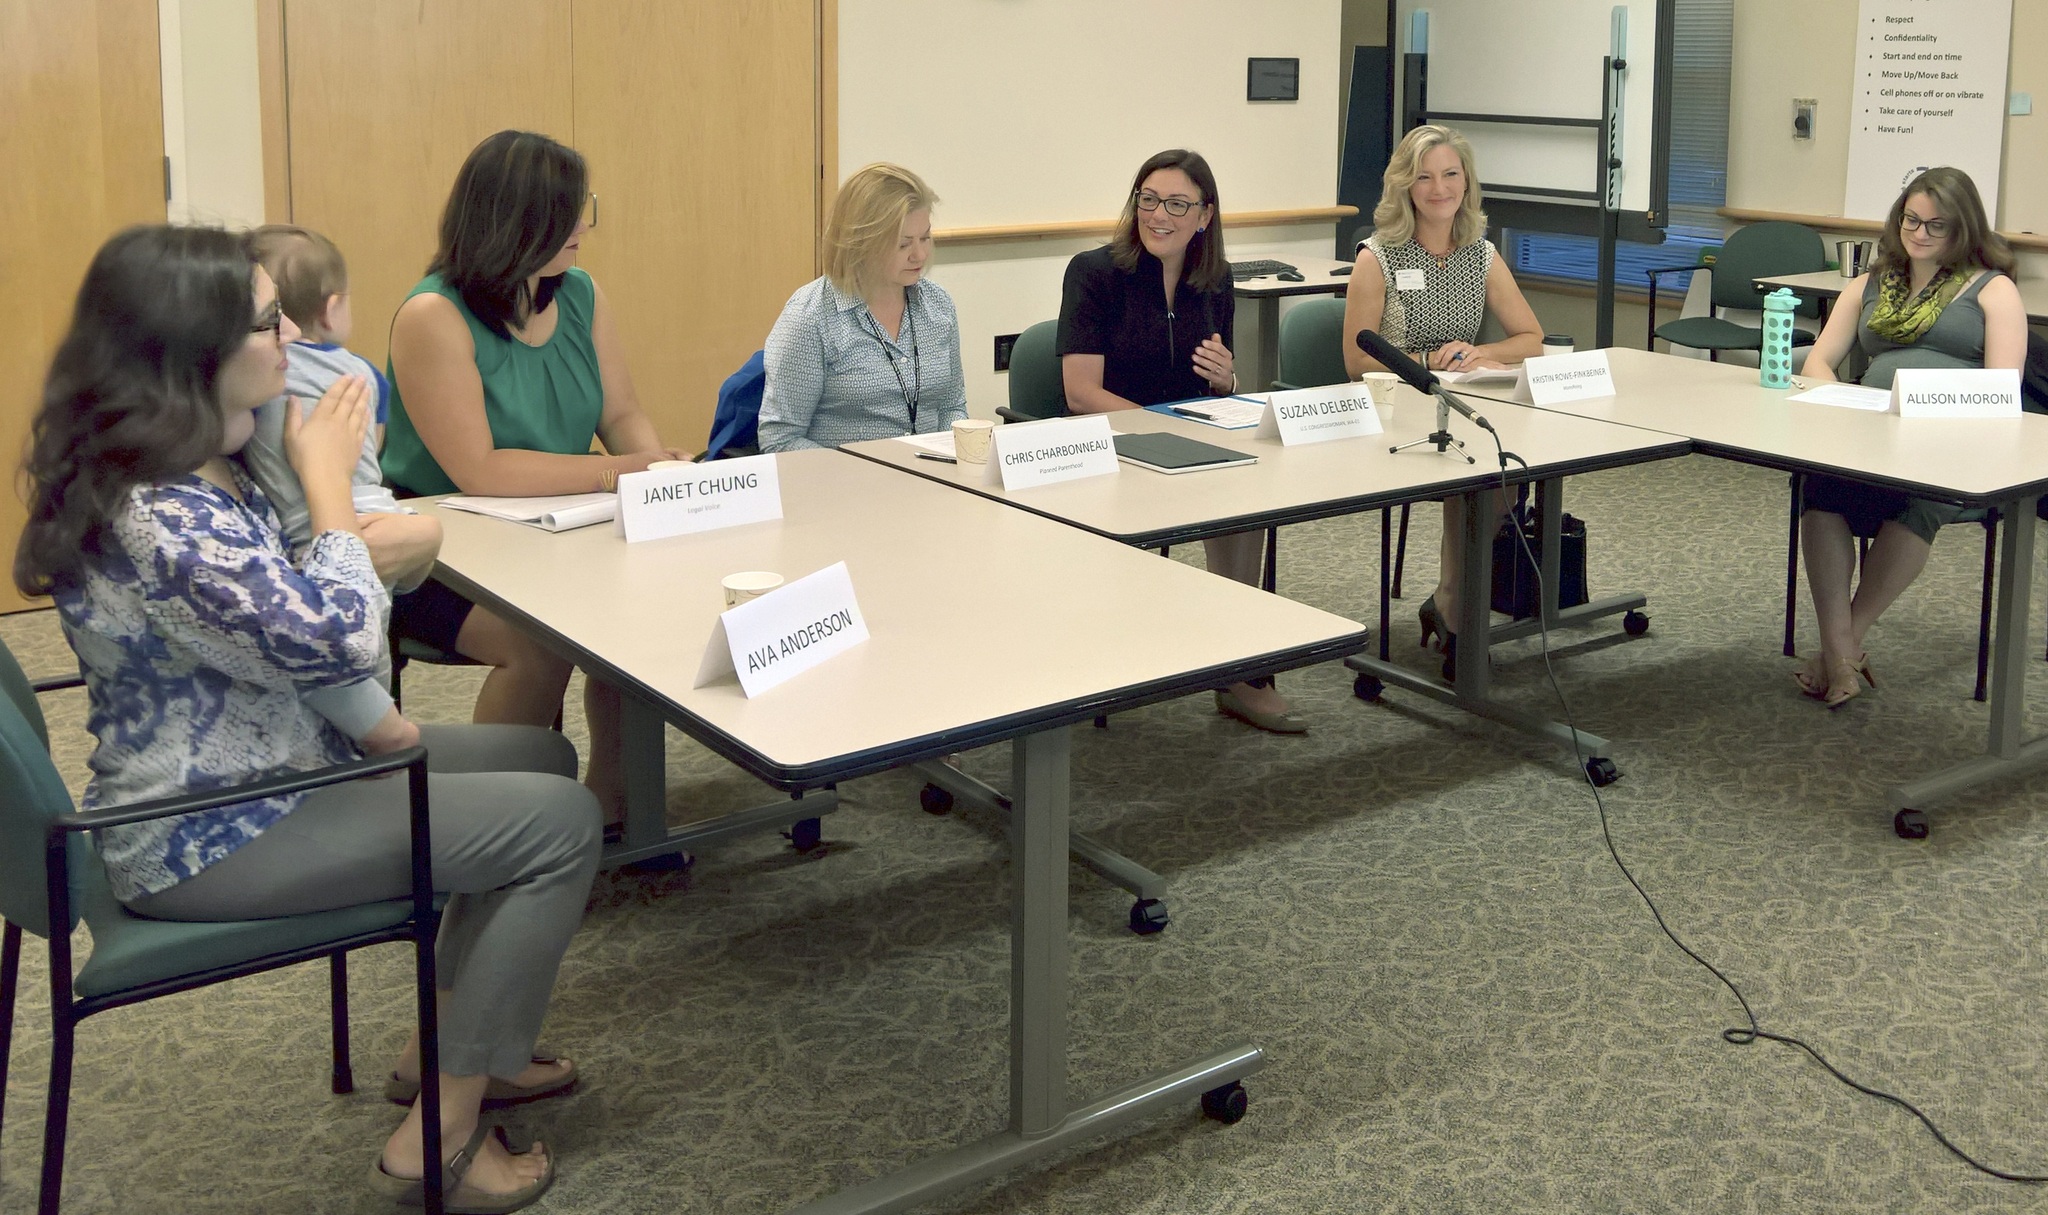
x: 590, y: 211
x: 270, y: 320
x: 1176, y: 207
x: 1936, y: 228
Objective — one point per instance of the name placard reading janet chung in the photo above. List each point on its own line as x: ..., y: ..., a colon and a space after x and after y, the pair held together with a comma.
x: 1043, y: 453
x: 785, y: 632
x: 1317, y: 415
x: 700, y: 498
x: 1956, y: 392
x: 1569, y: 377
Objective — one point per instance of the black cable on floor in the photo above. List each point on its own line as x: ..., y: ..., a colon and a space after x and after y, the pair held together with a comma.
x: 1737, y: 1035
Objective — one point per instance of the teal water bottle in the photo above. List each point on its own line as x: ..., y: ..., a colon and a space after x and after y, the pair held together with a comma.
x: 1776, y: 357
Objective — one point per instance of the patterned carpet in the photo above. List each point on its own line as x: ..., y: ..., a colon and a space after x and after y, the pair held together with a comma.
x: 1466, y: 1007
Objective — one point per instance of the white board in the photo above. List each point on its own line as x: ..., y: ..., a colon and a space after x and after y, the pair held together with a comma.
x: 1543, y: 60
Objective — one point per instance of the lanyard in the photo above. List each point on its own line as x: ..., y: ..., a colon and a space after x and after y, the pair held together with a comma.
x: 915, y: 390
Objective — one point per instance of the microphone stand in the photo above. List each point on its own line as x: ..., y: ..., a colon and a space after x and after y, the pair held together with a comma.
x: 1440, y: 438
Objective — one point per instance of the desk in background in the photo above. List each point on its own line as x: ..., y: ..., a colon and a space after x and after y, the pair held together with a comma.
x: 1825, y: 285
x: 1319, y: 276
x: 931, y: 569
x: 1977, y: 462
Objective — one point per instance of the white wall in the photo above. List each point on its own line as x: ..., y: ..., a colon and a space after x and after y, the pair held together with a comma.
x: 1032, y: 111
x: 213, y: 120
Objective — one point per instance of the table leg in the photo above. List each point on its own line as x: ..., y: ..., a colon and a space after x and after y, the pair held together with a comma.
x: 2006, y: 752
x: 1550, y: 511
x: 1040, y: 1122
x: 1106, y: 862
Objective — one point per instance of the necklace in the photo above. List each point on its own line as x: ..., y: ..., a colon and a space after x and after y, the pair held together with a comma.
x: 915, y: 389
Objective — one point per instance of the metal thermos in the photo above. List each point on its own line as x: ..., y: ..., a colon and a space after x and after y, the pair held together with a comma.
x: 1854, y: 256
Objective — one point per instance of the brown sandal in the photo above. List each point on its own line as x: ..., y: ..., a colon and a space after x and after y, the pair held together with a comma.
x: 498, y: 1094
x: 458, y: 1197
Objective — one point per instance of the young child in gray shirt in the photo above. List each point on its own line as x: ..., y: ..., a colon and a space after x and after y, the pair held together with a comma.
x: 312, y: 287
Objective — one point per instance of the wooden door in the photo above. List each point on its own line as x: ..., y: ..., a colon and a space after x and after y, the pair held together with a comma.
x: 384, y: 100
x: 83, y: 142
x: 700, y: 122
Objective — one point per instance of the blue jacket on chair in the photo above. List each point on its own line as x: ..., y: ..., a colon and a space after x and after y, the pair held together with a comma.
x: 739, y: 408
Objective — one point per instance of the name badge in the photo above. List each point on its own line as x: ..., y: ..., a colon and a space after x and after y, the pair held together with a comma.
x: 1317, y: 415
x: 1568, y: 377
x: 1045, y: 453
x: 703, y: 497
x: 1963, y: 392
x: 1408, y: 280
x: 782, y: 634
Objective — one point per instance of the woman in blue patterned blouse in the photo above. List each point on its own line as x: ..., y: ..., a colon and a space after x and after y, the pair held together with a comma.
x: 197, y: 635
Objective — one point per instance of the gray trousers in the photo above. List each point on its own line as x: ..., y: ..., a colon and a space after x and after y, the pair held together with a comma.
x: 515, y: 842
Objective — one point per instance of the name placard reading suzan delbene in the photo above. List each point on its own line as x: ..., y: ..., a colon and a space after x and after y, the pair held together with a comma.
x: 703, y: 497
x: 785, y: 632
x: 1317, y: 415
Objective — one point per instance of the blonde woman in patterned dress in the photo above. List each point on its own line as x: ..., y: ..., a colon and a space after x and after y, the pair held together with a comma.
x: 1440, y: 278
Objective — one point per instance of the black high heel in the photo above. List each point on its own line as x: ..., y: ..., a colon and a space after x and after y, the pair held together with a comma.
x: 1434, y: 624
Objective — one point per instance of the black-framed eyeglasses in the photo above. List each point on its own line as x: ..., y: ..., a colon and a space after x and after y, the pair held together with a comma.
x: 590, y: 211
x: 1936, y: 228
x: 1176, y: 207
x: 270, y: 320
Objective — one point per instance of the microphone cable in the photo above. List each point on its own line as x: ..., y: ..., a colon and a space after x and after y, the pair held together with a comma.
x: 1741, y: 1035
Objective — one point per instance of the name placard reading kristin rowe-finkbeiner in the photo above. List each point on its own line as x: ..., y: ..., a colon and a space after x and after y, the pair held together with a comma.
x: 700, y: 498
x: 1043, y: 453
x: 785, y: 632
x: 1568, y: 377
x: 1317, y: 415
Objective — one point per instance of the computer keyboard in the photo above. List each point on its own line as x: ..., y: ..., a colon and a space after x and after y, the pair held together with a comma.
x: 1240, y: 271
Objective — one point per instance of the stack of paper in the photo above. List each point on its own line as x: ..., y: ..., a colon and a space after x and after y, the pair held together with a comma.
x: 557, y: 514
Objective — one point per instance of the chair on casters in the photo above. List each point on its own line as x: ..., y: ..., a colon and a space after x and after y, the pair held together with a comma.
x: 1312, y: 355
x: 1751, y: 252
x: 51, y: 878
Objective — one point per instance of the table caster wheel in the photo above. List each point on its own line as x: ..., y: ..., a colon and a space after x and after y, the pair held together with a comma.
x: 1148, y: 916
x: 1635, y: 624
x: 1102, y: 722
x: 1367, y: 687
x: 1601, y: 771
x: 1227, y: 1104
x: 805, y: 834
x: 934, y: 799
x: 1910, y: 825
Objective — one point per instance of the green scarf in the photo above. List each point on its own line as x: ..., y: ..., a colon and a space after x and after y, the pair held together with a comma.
x: 1903, y: 321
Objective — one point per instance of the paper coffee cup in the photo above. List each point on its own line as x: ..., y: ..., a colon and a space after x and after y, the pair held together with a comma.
x: 971, y: 438
x: 752, y: 584
x: 1380, y: 384
x: 1558, y: 343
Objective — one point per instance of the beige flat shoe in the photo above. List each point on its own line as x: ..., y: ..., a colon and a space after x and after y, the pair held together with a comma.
x: 1229, y: 705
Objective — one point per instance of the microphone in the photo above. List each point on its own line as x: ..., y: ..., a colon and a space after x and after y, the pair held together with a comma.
x: 1412, y: 373
x: 1415, y: 375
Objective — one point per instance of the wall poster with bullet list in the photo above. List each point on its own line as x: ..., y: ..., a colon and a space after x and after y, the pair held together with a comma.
x: 1929, y: 90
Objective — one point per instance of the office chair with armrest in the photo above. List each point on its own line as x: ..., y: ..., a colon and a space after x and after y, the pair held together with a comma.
x: 51, y: 878
x: 1035, y: 388
x: 1772, y: 247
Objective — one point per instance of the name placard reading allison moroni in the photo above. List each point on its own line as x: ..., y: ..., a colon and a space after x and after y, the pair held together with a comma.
x: 1057, y: 449
x: 785, y: 632
x: 703, y: 497
x: 1956, y: 392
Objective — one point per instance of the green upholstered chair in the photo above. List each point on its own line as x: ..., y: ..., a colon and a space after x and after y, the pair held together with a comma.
x: 1035, y: 388
x: 51, y: 878
x: 1772, y: 247
x: 1312, y: 355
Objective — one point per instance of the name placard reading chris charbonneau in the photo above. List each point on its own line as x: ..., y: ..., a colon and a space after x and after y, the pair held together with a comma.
x: 1042, y: 453
x: 700, y: 498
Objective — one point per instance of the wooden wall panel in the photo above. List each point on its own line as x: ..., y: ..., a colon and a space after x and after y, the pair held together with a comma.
x: 700, y: 122
x: 385, y: 98
x: 82, y: 142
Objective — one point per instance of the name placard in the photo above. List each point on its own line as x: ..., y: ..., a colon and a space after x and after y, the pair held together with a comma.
x: 1568, y: 377
x: 1961, y: 392
x: 1048, y: 452
x: 1317, y: 415
x: 782, y: 634
x: 703, y: 497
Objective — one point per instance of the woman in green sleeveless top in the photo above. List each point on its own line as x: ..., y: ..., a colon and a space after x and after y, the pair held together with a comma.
x: 505, y: 365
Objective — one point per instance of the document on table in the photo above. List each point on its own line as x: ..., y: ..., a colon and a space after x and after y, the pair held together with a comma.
x: 1847, y: 396
x: 560, y: 513
x: 939, y: 442
x: 1481, y: 374
x: 1227, y: 413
